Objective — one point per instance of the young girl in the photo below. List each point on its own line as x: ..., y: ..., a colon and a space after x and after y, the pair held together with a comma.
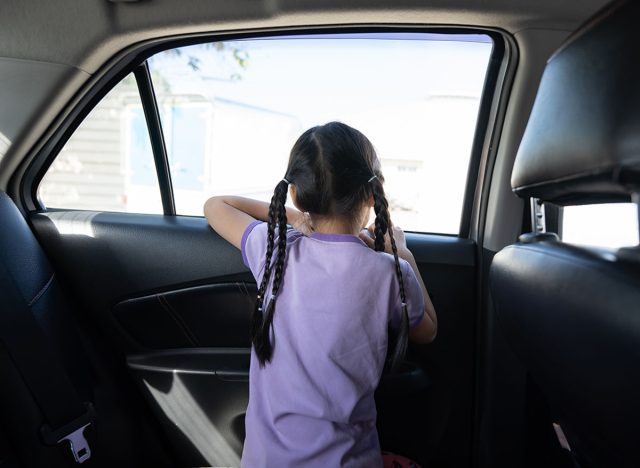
x: 327, y: 292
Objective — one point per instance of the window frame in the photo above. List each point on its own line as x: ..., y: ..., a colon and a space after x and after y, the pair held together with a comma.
x: 135, y: 61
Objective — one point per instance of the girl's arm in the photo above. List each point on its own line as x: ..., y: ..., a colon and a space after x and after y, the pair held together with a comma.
x: 425, y: 331
x: 229, y: 216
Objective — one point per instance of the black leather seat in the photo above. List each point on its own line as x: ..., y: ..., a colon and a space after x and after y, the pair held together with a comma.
x: 30, y: 271
x: 572, y: 314
x: 118, y: 437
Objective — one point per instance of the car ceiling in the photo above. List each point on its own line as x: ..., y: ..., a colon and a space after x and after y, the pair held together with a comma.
x: 49, y: 50
x: 86, y: 33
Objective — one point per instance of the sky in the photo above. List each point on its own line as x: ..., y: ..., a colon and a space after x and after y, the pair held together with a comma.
x: 317, y: 80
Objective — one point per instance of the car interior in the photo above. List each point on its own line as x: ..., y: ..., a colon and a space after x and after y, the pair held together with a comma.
x: 509, y: 135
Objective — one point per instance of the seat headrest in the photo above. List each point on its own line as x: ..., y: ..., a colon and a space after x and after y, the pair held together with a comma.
x: 582, y: 141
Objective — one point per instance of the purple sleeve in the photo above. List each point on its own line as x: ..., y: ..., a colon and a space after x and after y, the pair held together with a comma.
x: 413, y: 293
x: 253, y: 246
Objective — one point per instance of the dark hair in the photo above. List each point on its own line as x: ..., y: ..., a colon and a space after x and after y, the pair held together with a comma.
x: 335, y: 170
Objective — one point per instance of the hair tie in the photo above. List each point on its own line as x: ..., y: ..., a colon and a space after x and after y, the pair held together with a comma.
x: 285, y: 180
x: 372, y: 177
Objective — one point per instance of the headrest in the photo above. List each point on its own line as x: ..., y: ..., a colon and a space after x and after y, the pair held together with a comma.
x: 582, y: 141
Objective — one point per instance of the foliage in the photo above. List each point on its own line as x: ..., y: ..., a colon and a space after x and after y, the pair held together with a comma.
x: 239, y: 56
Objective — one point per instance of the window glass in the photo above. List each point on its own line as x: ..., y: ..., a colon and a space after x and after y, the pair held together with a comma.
x: 107, y: 164
x: 610, y: 225
x: 231, y: 112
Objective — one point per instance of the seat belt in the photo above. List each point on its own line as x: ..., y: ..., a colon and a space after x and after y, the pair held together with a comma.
x: 7, y: 459
x: 66, y: 416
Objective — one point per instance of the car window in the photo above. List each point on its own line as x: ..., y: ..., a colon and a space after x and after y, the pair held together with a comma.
x: 609, y: 225
x: 231, y: 112
x: 107, y: 164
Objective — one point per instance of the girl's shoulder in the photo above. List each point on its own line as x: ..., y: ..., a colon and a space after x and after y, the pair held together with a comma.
x: 294, y: 235
x: 387, y: 261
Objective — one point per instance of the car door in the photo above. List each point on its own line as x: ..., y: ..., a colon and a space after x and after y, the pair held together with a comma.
x: 115, y: 198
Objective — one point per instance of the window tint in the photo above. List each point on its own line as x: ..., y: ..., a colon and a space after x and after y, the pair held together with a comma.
x: 231, y: 112
x: 107, y: 164
x: 607, y: 225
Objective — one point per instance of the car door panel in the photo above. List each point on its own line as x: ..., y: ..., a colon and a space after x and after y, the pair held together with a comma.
x: 213, y: 315
x: 200, y: 397
x: 176, y: 299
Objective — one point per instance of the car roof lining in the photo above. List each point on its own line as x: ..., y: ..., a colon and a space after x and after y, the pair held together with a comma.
x: 86, y: 34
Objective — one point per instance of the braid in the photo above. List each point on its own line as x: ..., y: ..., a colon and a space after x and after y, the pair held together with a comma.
x: 257, y: 317
x: 380, y: 207
x: 282, y: 244
x: 402, y: 339
x: 382, y: 227
x: 261, y: 323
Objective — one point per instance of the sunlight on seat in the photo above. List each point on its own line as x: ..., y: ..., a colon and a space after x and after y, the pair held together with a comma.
x: 4, y: 145
x: 183, y: 410
x: 76, y: 223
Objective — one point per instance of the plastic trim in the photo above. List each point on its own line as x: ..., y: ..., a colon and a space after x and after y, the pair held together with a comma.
x: 156, y: 135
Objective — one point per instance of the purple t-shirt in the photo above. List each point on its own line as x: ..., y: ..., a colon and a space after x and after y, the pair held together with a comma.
x: 313, y: 405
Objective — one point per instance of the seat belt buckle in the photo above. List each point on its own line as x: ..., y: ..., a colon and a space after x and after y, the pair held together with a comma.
x: 79, y: 445
x: 73, y: 433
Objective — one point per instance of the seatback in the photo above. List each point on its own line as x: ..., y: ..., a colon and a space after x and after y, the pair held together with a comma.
x: 32, y: 274
x: 573, y: 318
x: 572, y: 314
x: 117, y: 438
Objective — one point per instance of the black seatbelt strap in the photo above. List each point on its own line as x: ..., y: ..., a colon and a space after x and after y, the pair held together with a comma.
x: 7, y: 459
x: 66, y: 416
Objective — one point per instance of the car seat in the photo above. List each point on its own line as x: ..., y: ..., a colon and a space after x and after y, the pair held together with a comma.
x: 572, y: 314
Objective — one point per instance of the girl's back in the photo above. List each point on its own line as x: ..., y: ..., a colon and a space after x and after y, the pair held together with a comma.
x: 313, y: 404
x: 324, y: 303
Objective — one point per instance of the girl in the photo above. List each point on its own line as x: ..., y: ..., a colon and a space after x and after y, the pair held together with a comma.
x: 326, y: 295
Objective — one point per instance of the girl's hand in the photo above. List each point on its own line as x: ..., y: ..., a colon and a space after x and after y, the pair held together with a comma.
x: 368, y: 236
x: 302, y: 223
